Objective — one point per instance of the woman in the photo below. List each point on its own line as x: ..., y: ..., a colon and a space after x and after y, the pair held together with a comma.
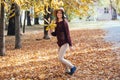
x: 64, y: 40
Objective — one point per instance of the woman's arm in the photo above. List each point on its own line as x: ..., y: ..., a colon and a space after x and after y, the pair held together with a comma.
x: 67, y: 33
x: 53, y: 33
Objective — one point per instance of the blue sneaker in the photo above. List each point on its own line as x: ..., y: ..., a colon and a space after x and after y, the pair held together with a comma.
x: 72, y: 70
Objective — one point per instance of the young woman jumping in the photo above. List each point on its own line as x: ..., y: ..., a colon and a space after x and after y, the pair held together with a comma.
x: 64, y: 41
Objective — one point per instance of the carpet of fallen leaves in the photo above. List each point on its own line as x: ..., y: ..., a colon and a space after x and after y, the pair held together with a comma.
x: 37, y: 60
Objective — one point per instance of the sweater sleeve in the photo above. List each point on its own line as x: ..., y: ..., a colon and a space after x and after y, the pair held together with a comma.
x: 53, y: 33
x: 67, y: 32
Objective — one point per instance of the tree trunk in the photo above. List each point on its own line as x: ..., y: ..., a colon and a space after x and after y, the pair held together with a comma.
x: 17, y: 27
x: 11, y: 25
x: 28, y: 18
x: 21, y: 22
x: 113, y: 11
x: 114, y: 14
x: 24, y: 22
x: 37, y: 20
x: 47, y: 16
x: 2, y: 38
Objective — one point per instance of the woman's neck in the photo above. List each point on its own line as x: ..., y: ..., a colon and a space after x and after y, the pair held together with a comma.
x: 59, y: 20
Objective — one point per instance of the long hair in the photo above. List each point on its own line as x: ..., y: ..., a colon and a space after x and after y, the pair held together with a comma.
x: 63, y: 17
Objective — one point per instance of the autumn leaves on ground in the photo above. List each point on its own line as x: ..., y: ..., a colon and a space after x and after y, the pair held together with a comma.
x: 37, y: 60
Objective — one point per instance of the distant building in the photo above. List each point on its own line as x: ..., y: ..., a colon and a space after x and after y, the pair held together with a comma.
x: 105, y: 12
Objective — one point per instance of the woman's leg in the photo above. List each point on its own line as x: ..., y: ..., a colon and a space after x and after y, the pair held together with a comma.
x: 61, y: 54
x: 67, y: 68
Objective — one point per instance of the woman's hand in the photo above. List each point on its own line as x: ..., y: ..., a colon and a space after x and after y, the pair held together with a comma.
x: 51, y: 30
x: 71, y: 48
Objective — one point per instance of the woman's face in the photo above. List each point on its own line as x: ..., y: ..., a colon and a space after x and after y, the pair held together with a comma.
x: 59, y: 14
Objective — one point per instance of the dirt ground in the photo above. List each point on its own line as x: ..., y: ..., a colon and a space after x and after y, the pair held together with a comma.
x: 37, y: 60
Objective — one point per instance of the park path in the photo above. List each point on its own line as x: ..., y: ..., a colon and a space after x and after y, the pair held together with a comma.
x: 112, y: 29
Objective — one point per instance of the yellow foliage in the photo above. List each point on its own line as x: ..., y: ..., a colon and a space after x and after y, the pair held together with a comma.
x: 12, y: 15
x: 61, y: 3
x: 78, y: 7
x: 52, y: 25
